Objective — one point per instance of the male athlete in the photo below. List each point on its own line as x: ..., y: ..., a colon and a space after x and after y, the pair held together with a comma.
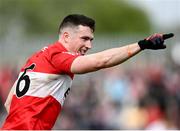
x: 37, y: 97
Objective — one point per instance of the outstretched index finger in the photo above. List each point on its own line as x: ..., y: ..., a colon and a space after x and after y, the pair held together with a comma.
x: 167, y: 36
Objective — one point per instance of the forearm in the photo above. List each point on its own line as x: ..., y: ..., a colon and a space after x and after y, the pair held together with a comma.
x: 9, y: 99
x: 115, y: 56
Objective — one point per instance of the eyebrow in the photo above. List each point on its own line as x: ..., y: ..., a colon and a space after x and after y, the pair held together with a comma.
x: 87, y: 38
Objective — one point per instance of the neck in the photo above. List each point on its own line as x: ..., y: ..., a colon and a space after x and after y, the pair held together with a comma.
x: 65, y: 45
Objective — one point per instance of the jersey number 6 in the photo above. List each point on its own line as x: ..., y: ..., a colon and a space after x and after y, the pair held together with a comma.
x: 26, y: 79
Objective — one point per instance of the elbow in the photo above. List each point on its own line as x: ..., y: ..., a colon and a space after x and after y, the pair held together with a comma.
x: 102, y: 63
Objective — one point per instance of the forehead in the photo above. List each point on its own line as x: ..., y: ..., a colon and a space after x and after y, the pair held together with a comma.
x: 84, y: 30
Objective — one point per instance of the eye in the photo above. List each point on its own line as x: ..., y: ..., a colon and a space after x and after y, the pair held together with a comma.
x: 86, y: 38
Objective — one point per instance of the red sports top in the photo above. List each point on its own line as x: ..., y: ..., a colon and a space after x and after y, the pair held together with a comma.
x: 41, y: 88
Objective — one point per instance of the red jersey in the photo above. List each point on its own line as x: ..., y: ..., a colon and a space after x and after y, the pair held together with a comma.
x: 41, y: 88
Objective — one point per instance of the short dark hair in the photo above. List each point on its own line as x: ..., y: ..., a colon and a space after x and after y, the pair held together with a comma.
x: 75, y: 20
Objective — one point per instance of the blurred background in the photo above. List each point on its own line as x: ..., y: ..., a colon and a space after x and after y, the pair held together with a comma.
x: 142, y: 93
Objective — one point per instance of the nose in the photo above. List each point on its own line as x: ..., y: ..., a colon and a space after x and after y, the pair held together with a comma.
x: 89, y: 44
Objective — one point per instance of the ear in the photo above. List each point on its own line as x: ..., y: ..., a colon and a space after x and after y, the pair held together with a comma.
x: 66, y: 36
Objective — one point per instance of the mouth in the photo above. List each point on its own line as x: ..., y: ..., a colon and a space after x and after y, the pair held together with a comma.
x: 82, y: 51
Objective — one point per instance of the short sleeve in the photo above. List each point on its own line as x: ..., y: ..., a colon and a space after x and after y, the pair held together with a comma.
x: 63, y: 61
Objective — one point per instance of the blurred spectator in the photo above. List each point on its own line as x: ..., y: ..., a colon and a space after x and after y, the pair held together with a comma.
x: 7, y: 78
x: 116, y: 85
x: 8, y: 75
x: 156, y: 100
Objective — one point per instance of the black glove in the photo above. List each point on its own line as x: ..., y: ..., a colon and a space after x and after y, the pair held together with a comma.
x: 155, y: 41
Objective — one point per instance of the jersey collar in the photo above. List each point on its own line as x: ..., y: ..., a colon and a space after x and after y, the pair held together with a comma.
x: 60, y: 45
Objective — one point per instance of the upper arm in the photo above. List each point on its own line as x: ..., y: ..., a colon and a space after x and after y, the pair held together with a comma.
x: 85, y: 64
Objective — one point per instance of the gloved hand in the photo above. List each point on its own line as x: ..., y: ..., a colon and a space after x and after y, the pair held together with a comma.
x: 155, y: 41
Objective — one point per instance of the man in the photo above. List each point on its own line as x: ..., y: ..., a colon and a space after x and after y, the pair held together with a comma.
x: 38, y: 94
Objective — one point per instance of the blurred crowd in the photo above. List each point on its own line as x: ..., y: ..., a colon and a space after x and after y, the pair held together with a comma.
x: 122, y: 97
